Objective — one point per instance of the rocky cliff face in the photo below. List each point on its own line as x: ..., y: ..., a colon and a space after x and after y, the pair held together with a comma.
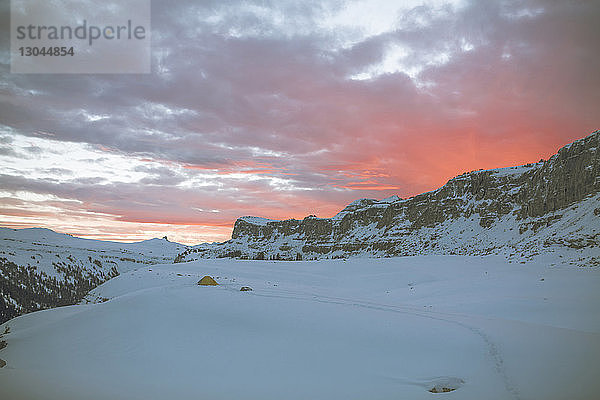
x: 520, y: 212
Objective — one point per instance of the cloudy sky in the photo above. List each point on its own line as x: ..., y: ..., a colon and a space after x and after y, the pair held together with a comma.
x: 287, y: 108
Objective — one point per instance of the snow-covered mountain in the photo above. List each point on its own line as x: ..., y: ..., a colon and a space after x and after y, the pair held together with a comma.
x: 40, y: 268
x: 522, y: 212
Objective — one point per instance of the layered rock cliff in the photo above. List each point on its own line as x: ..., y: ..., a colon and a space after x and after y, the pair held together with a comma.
x: 520, y: 212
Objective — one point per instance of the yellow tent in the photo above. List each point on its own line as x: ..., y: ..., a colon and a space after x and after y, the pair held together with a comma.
x: 207, y: 281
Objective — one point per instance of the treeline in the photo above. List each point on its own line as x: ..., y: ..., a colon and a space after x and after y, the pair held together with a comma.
x: 24, y: 289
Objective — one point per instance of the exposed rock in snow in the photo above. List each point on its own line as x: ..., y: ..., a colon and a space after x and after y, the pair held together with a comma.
x: 520, y: 212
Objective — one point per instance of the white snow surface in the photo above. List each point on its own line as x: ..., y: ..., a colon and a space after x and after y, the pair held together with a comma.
x: 257, y: 220
x: 391, y: 199
x: 40, y: 248
x: 357, y: 329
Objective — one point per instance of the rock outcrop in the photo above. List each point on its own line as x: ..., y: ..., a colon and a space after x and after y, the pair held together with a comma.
x: 519, y: 212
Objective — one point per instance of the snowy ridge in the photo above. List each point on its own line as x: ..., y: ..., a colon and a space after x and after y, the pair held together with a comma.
x: 257, y: 220
x: 523, y: 212
x: 40, y: 268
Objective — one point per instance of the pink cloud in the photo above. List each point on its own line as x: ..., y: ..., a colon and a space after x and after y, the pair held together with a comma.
x: 527, y: 87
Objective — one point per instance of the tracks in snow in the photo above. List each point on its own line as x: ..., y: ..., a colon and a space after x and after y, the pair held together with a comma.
x: 494, y: 353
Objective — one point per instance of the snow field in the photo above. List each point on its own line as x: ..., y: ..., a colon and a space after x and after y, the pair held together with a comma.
x: 358, y: 329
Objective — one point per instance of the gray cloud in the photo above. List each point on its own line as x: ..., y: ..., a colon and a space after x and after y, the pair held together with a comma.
x: 243, y: 86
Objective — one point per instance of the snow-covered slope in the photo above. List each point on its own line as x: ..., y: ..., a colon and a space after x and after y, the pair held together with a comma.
x: 373, y: 329
x: 460, y: 314
x: 40, y: 268
x: 523, y: 212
